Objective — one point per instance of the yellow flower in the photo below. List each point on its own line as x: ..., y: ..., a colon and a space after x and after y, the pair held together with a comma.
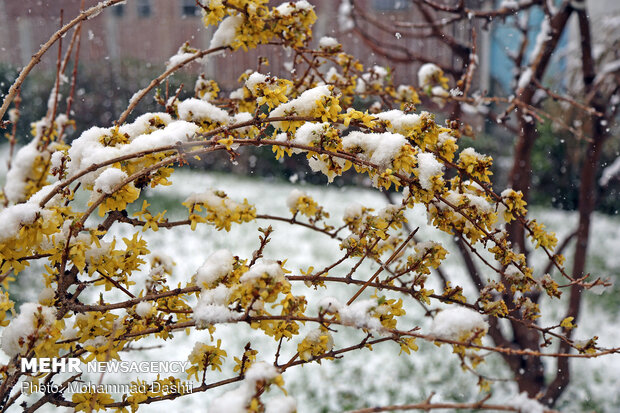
x: 91, y: 401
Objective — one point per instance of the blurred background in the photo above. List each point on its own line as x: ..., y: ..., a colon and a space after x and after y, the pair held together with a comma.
x: 128, y: 45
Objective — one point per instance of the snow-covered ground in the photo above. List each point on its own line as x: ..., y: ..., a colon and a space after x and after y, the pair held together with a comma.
x: 363, y: 378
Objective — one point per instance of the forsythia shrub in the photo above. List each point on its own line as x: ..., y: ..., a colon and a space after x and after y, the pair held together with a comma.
x: 312, y: 114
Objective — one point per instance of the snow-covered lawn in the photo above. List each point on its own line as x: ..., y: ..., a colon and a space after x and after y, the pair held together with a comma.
x: 363, y: 378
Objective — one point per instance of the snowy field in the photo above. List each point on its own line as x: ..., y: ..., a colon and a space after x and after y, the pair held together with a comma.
x: 364, y: 378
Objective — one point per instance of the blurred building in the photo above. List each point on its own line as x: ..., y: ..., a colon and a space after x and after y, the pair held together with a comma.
x: 146, y: 30
x: 150, y: 31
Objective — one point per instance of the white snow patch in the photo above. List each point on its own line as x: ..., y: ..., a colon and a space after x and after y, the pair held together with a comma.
x: 304, y: 105
x: 426, y: 73
x: 291, y: 200
x: 217, y: 266
x: 454, y: 323
x: 358, y: 315
x: 378, y: 148
x: 212, y: 308
x: 327, y: 42
x: 109, y: 179
x: 271, y: 268
x: 226, y: 32
x: 23, y: 326
x: 428, y: 167
x: 144, y: 308
x: 199, y: 110
x: 236, y: 400
x: 401, y: 122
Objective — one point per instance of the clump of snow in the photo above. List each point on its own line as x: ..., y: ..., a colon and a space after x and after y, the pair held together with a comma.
x: 427, y: 73
x: 226, y: 31
x: 13, y: 115
x: 359, y: 315
x: 599, y: 288
x: 330, y: 305
x: 109, y: 179
x: 513, y: 273
x: 212, y: 307
x: 236, y: 400
x: 175, y: 132
x: 56, y: 159
x: 322, y: 165
x: 327, y: 42
x: 261, y: 371
x: 61, y: 121
x: 271, y: 268
x: 389, y: 212
x: 144, y: 124
x: 98, y: 341
x: 199, y: 110
x: 525, y: 404
x: 293, y: 197
x: 217, y: 266
x: 378, y: 148
x: 333, y: 76
x: 400, y: 122
x: 310, y: 133
x: 13, y: 217
x: 458, y: 323
x: 353, y: 211
x: 288, y: 8
x: 69, y: 332
x: 471, y: 152
x: 22, y: 170
x: 443, y: 138
x: 14, y: 336
x: 480, y: 203
x: 428, y: 167
x: 179, y: 57
x: 473, y: 187
x: 303, y: 105
x: 236, y: 94
x: 241, y: 117
x: 254, y: 79
x: 144, y: 308
x: 88, y: 149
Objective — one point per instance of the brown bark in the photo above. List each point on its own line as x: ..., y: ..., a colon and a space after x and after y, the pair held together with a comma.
x: 587, y: 203
x: 520, y: 177
x: 530, y: 373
